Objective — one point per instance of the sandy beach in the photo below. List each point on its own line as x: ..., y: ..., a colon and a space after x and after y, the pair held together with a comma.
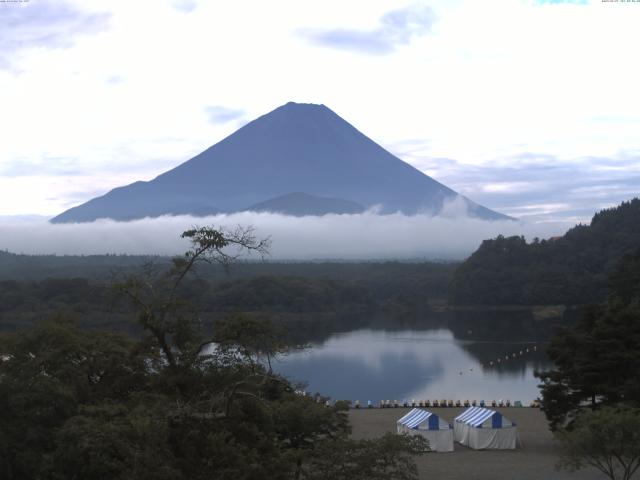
x: 535, y: 459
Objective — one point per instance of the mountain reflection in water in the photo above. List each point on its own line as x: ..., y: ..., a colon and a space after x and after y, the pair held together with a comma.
x: 369, y: 364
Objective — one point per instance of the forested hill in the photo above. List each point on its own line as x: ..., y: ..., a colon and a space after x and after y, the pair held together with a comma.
x: 572, y: 269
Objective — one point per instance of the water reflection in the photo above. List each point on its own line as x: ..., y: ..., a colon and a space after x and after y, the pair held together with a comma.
x: 370, y: 364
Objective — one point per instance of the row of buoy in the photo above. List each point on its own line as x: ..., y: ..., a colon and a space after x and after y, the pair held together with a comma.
x: 506, y: 358
x: 511, y: 356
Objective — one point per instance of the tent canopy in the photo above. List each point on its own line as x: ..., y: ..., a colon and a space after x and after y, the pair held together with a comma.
x: 422, y: 419
x: 428, y: 425
x: 479, y: 417
x: 481, y: 428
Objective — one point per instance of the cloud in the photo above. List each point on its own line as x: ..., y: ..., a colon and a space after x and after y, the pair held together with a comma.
x: 184, y: 6
x: 350, y: 237
x: 457, y: 207
x: 395, y: 28
x: 43, y: 24
x: 536, y: 186
x: 46, y: 165
x: 218, y: 114
x: 20, y: 219
x: 115, y: 79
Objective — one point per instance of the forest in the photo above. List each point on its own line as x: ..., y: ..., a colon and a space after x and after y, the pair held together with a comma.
x: 570, y: 270
x: 305, y: 297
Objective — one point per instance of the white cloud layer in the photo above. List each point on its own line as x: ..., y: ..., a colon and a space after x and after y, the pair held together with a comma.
x: 349, y: 237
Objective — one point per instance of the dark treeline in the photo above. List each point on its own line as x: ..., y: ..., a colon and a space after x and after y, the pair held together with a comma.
x: 330, y: 294
x: 571, y: 269
x: 37, y: 267
x: 105, y: 267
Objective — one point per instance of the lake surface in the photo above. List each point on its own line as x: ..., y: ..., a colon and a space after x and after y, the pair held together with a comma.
x: 369, y: 364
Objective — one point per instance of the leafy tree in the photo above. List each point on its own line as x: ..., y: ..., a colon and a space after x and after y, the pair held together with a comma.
x: 251, y: 338
x: 596, y: 362
x: 88, y: 405
x: 46, y: 375
x: 302, y: 423
x: 109, y: 441
x: 383, y: 458
x: 607, y: 439
x: 156, y: 294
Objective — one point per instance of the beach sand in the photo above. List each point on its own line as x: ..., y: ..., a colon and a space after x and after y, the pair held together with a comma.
x: 535, y: 459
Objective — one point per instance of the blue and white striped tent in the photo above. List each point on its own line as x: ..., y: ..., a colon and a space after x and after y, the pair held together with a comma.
x: 427, y: 424
x: 481, y: 428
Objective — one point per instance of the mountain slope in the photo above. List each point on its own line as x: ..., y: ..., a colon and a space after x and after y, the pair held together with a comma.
x: 295, y: 148
x: 299, y: 204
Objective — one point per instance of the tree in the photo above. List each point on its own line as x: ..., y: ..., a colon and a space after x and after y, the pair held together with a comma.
x: 109, y: 441
x: 46, y: 375
x: 303, y: 425
x: 607, y: 439
x: 156, y: 294
x: 251, y: 338
x: 597, y: 360
x: 386, y: 458
x: 171, y: 404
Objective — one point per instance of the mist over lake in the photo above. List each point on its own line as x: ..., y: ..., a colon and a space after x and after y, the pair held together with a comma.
x: 369, y: 235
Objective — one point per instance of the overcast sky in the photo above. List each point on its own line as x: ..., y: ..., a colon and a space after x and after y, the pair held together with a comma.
x: 531, y: 108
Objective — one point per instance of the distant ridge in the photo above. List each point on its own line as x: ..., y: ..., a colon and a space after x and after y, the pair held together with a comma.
x: 295, y: 148
x: 299, y: 204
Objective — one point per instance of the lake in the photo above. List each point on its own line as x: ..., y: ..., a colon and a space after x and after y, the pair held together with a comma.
x: 373, y: 364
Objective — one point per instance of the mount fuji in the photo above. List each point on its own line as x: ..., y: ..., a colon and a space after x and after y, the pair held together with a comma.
x: 299, y: 159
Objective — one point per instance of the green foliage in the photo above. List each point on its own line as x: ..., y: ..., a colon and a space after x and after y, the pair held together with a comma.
x: 251, y: 338
x: 571, y: 269
x: 46, y: 375
x: 286, y: 293
x: 597, y: 361
x: 624, y: 283
x: 109, y: 441
x: 386, y: 458
x: 169, y: 404
x: 607, y: 439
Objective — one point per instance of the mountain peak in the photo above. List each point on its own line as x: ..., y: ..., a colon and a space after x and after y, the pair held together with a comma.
x: 304, y: 105
x: 298, y: 110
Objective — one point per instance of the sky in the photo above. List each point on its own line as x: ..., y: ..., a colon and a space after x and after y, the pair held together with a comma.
x: 528, y: 107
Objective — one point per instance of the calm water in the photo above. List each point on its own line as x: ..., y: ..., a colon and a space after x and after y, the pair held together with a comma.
x: 369, y: 364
